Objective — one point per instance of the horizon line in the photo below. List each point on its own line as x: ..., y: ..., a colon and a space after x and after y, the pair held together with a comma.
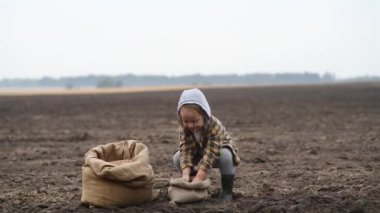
x: 187, y: 75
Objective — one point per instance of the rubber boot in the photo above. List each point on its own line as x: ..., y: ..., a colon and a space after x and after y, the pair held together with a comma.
x: 227, y: 185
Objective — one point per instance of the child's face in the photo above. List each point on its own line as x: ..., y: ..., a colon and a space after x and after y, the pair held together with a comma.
x: 191, y: 119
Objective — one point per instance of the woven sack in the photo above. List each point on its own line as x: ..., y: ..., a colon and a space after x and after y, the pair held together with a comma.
x: 181, y: 191
x: 117, y: 175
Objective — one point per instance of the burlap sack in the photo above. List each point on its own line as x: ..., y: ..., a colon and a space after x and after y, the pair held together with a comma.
x: 117, y: 174
x: 181, y: 191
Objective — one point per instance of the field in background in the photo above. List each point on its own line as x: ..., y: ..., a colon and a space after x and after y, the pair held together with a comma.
x: 81, y: 91
x: 303, y: 148
x: 84, y: 90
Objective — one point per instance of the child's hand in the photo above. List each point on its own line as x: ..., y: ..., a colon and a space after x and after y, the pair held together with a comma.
x: 186, y: 178
x: 197, y: 179
x: 201, y: 176
x: 186, y: 174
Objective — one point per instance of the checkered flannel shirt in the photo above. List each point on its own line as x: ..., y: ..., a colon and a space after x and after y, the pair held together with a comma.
x: 214, y: 138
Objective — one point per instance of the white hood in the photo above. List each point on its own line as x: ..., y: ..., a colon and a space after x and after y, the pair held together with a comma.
x: 194, y: 96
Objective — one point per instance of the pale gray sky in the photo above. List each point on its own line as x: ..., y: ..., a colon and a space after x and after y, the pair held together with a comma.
x: 79, y: 37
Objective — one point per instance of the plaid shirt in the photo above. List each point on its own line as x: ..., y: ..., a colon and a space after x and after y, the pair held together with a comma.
x: 214, y: 137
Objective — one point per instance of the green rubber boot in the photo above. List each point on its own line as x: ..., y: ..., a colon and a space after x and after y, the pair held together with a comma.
x: 227, y: 185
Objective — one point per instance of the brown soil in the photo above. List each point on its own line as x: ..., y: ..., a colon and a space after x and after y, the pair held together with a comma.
x: 303, y: 148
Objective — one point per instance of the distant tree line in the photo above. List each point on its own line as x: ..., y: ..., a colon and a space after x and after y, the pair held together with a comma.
x: 103, y: 81
x: 109, y: 83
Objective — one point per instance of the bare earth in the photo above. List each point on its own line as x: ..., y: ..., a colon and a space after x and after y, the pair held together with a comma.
x: 303, y: 148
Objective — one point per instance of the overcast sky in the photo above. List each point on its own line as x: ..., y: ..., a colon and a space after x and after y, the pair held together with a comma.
x: 79, y: 37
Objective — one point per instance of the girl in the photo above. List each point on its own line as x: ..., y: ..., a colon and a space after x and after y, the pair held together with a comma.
x: 204, y: 143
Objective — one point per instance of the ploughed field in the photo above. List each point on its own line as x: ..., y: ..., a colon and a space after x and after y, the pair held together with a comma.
x: 303, y: 148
